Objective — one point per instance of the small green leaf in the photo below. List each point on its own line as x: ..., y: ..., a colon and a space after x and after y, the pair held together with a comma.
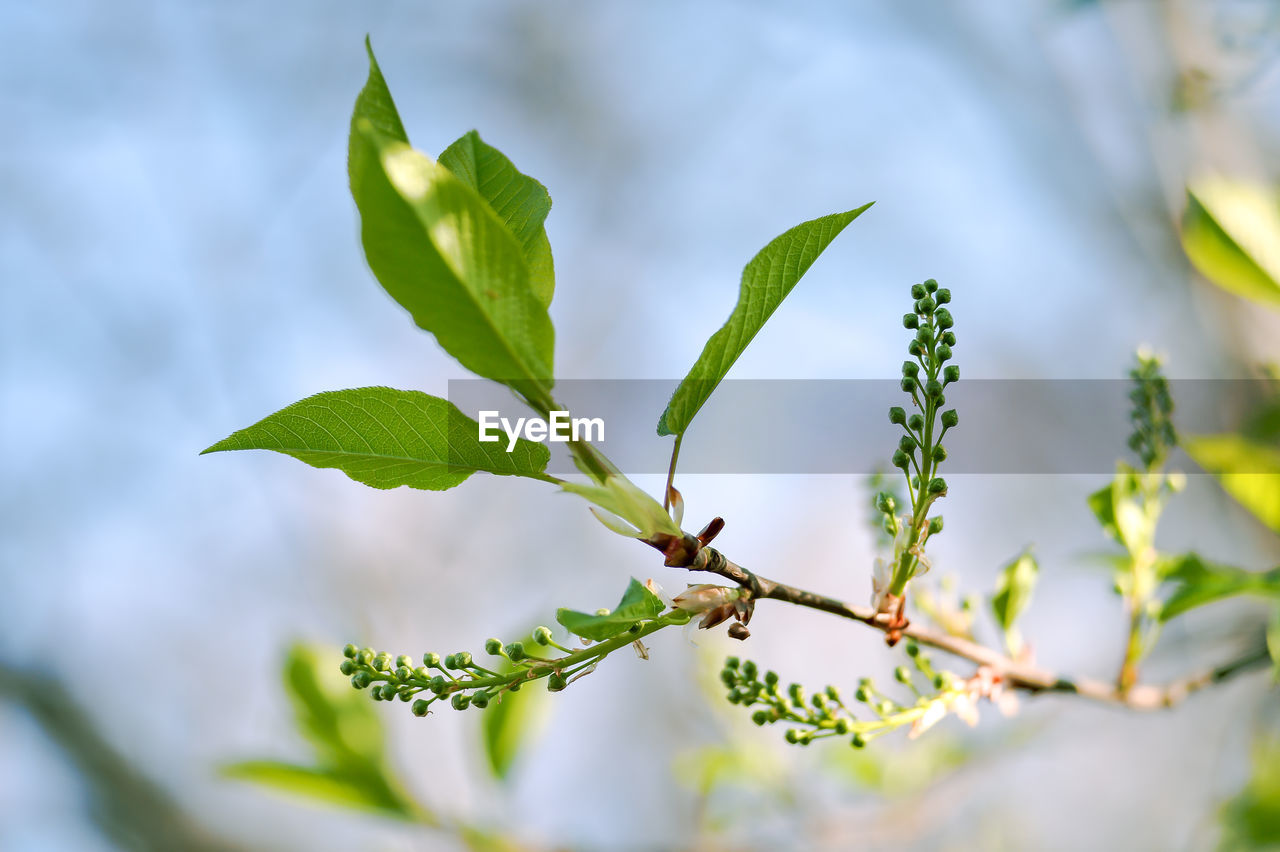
x: 1014, y: 588
x: 323, y: 784
x: 337, y: 721
x: 1120, y: 510
x: 387, y: 438
x: 441, y: 251
x: 766, y: 281
x: 1231, y: 233
x: 637, y: 604
x: 1196, y: 582
x: 622, y: 499
x: 1249, y: 471
x: 512, y: 722
x: 521, y: 202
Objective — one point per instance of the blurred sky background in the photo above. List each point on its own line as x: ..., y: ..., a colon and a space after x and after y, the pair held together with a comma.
x: 179, y: 257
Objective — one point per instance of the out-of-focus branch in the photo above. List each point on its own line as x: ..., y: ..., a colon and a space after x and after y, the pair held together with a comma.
x: 1015, y: 672
x: 132, y: 810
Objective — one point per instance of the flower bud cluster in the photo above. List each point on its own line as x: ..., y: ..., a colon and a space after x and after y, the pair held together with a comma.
x: 1153, y: 436
x: 826, y: 714
x: 920, y: 450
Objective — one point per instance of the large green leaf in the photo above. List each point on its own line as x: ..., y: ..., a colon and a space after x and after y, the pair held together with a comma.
x: 637, y: 604
x: 1196, y: 582
x: 333, y: 785
x: 521, y: 202
x: 442, y: 252
x: 511, y: 722
x: 1231, y: 233
x: 1249, y: 471
x: 766, y: 281
x: 387, y: 438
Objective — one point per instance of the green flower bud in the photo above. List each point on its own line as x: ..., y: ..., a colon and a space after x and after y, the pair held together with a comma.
x: 885, y: 503
x: 918, y: 291
x: 556, y: 682
x: 406, y: 693
x: 862, y: 694
x: 933, y: 389
x: 910, y: 368
x: 935, y: 525
x: 939, y: 453
x: 431, y: 661
x: 915, y: 349
x: 421, y: 673
x: 930, y: 285
x: 771, y: 678
x: 382, y: 662
x: 361, y: 680
x: 925, y: 305
x: 480, y: 700
x: 405, y: 661
x: 793, y: 735
x: 842, y: 725
x: 900, y: 459
x: 542, y: 635
x: 910, y: 321
x: 403, y: 673
x: 365, y: 657
x: 912, y: 648
x: 729, y: 678
x: 796, y: 691
x: 348, y: 667
x: 901, y: 675
x: 944, y: 319
x: 915, y: 423
x: 515, y: 651
x: 388, y: 692
x: 749, y: 670
x: 858, y: 741
x: 450, y: 661
x: 951, y: 374
x: 460, y: 701
x: 949, y: 338
x: 943, y: 353
x: 908, y: 384
x: 438, y: 684
x: 493, y: 647
x: 760, y: 717
x: 907, y: 444
x: 937, y: 485
x: 420, y: 707
x: 950, y: 418
x: 939, y: 681
x: 897, y: 416
x: 732, y: 662
x: 462, y: 659
x: 885, y: 707
x: 925, y: 335
x: 350, y: 651
x: 943, y: 296
x: 376, y: 694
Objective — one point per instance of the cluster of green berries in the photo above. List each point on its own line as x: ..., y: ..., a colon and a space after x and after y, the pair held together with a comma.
x: 1153, y: 436
x: 457, y: 677
x: 926, y: 378
x: 825, y: 714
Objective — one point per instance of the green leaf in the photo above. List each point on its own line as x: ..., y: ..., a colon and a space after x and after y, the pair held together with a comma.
x: 1251, y: 820
x: 324, y: 784
x: 1196, y: 582
x: 621, y: 498
x: 637, y: 604
x: 1014, y: 587
x: 766, y: 281
x: 1231, y: 233
x: 1247, y: 470
x: 387, y: 438
x: 440, y: 250
x: 511, y: 723
x: 1121, y: 512
x: 521, y: 202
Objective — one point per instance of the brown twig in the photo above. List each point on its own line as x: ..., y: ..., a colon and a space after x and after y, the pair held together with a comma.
x: 1019, y: 674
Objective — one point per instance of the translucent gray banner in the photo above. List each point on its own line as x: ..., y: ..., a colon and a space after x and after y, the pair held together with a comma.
x: 842, y: 426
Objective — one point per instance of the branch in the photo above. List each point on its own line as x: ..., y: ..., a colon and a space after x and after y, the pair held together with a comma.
x: 1018, y: 674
